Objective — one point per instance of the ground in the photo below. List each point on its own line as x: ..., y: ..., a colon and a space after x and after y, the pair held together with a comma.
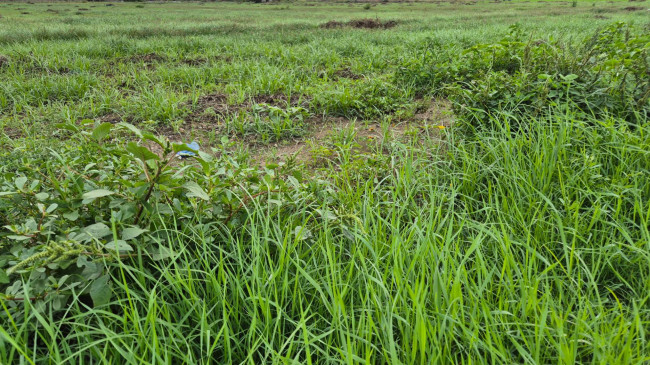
x: 185, y: 69
x: 377, y: 182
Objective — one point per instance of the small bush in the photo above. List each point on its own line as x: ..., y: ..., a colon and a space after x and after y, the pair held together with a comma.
x: 69, y: 213
x: 609, y: 73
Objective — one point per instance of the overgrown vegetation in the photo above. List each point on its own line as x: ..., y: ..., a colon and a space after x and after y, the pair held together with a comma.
x: 606, y: 74
x: 510, y: 228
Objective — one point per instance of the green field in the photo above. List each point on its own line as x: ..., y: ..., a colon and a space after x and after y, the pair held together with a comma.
x: 377, y: 183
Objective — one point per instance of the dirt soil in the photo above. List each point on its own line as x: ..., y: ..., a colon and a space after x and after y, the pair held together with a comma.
x: 436, y: 117
x: 347, y: 74
x: 366, y: 23
x: 433, y: 117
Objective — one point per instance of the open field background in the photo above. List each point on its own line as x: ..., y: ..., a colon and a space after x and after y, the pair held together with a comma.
x: 416, y: 183
x: 141, y: 62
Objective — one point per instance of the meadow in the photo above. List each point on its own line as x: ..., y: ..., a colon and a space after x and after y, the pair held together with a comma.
x: 376, y: 183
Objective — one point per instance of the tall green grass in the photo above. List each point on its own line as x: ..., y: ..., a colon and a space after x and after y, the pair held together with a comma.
x: 505, y: 248
x: 524, y: 241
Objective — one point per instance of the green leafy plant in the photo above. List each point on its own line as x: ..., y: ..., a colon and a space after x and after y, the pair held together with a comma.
x: 69, y: 213
x: 609, y: 73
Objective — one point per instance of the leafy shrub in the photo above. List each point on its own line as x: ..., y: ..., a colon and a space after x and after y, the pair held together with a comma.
x: 608, y: 74
x: 67, y: 213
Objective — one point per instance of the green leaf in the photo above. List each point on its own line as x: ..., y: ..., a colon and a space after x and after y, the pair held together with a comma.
x: 72, y: 216
x: 140, y: 152
x: 98, y: 193
x: 161, y: 253
x: 132, y: 232
x: 67, y: 126
x: 51, y: 208
x: 194, y: 190
x: 119, y: 245
x: 41, y: 196
x: 151, y: 137
x: 97, y: 230
x: 182, y: 147
x: 101, y: 131
x: 20, y: 182
x: 4, y: 278
x: 569, y: 77
x: 100, y: 290
x: 132, y: 128
x: 5, y: 193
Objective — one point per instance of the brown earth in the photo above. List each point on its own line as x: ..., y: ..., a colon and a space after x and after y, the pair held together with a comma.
x: 209, y: 111
x: 633, y: 8
x: 366, y: 23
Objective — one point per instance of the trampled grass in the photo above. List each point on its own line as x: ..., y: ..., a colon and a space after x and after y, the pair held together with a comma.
x: 409, y: 229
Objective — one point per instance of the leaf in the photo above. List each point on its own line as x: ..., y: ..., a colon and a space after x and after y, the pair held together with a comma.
x: 196, y: 191
x: 97, y: 230
x: 161, y: 253
x: 132, y: 232
x: 72, y: 216
x: 101, y: 131
x: 119, y: 245
x: 302, y: 233
x: 5, y: 193
x: 100, y: 290
x: 51, y: 208
x: 140, y: 152
x: 20, y: 182
x: 68, y: 126
x: 4, y: 278
x: 569, y: 77
x: 41, y: 196
x: 132, y: 128
x: 151, y: 137
x: 98, y: 193
x: 178, y: 147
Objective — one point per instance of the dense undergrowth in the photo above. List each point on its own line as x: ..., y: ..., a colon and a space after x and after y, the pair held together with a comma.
x: 519, y: 235
x: 606, y: 74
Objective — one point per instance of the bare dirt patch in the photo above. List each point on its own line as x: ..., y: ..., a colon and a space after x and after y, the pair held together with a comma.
x: 633, y: 8
x: 438, y: 113
x: 148, y: 58
x: 433, y: 118
x: 4, y: 61
x: 209, y: 106
x: 111, y: 118
x: 12, y: 133
x: 320, y: 130
x: 346, y: 73
x: 195, y: 61
x: 366, y: 23
x: 208, y: 113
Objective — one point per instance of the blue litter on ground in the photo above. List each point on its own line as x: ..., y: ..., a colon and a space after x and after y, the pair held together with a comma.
x: 187, y: 154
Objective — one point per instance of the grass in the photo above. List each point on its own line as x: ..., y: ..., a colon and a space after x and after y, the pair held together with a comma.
x: 524, y: 240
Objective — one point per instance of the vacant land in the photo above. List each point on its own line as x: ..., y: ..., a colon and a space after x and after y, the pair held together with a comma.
x: 418, y: 183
